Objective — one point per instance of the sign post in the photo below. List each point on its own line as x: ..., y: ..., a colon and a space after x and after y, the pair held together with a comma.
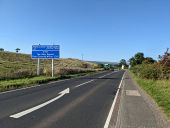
x: 38, y: 67
x: 52, y: 68
x: 45, y: 52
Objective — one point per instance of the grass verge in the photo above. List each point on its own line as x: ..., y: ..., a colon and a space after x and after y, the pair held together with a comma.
x: 6, y: 85
x: 159, y: 90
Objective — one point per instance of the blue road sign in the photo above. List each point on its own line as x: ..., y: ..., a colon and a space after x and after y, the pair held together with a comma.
x: 45, y: 51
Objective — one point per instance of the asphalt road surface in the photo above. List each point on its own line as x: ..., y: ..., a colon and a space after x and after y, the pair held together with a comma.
x: 83, y: 102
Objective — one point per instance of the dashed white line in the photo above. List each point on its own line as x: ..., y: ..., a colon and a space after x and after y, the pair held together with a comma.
x: 83, y: 83
x: 94, y: 79
x: 108, y: 74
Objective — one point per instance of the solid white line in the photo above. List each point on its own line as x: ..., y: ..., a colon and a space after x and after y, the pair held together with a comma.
x: 113, y: 105
x: 20, y: 114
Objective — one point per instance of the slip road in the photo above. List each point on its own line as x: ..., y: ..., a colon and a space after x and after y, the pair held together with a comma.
x: 83, y: 102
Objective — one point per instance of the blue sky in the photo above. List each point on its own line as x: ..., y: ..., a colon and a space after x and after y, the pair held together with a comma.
x: 103, y: 30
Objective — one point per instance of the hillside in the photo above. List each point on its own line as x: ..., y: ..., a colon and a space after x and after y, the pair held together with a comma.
x: 17, y: 65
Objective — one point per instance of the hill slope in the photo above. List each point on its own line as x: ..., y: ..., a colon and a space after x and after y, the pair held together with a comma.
x: 16, y: 65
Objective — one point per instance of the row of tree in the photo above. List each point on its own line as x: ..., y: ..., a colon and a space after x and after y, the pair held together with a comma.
x: 149, y: 68
x: 139, y: 59
x: 17, y: 50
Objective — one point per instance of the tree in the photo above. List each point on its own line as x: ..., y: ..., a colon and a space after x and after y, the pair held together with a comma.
x: 164, y: 62
x: 122, y: 62
x: 1, y: 49
x: 165, y: 59
x: 149, y: 60
x: 100, y: 65
x: 132, y: 61
x: 17, y: 49
x: 139, y: 57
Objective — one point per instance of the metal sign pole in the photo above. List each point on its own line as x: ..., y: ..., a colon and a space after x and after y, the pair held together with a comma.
x: 38, y: 67
x: 52, y: 67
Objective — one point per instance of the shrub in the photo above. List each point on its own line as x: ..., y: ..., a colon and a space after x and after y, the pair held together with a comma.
x: 148, y: 71
x: 66, y: 71
x: 21, y: 73
x: 165, y: 72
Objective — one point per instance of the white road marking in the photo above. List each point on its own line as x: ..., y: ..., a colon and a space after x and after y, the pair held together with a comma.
x: 108, y: 74
x: 20, y: 114
x: 20, y: 89
x: 34, y: 86
x: 113, y: 105
x: 83, y: 83
x: 93, y: 80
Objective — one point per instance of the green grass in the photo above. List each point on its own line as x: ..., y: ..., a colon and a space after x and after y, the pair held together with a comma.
x: 6, y: 85
x: 18, y: 83
x: 159, y: 90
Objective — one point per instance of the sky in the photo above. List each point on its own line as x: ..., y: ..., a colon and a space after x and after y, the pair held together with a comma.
x: 101, y: 30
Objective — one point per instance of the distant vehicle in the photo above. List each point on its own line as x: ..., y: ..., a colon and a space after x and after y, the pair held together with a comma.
x: 108, y: 67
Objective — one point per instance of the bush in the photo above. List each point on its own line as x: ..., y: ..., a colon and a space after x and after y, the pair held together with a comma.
x: 165, y: 72
x: 151, y: 71
x: 21, y: 73
x: 148, y: 71
x: 66, y: 71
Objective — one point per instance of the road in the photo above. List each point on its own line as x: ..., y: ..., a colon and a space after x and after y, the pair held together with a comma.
x: 83, y: 102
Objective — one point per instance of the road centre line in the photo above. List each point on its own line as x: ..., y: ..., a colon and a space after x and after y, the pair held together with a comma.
x: 83, y: 83
x: 113, y: 105
x: 94, y: 79
x: 108, y: 74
